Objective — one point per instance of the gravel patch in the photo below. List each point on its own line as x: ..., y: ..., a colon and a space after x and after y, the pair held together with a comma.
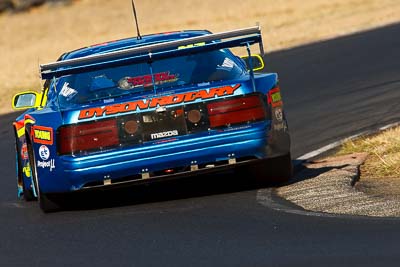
x: 332, y: 185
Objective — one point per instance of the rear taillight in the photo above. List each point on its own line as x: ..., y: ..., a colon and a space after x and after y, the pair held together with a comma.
x: 90, y: 136
x: 235, y: 111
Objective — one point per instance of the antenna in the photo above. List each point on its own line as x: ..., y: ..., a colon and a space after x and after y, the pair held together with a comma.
x: 139, y: 37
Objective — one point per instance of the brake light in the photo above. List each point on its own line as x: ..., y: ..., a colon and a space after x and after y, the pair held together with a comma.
x: 234, y: 111
x: 88, y: 136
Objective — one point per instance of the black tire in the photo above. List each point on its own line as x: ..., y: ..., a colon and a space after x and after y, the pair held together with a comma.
x: 28, y: 193
x: 46, y: 203
x: 272, y: 171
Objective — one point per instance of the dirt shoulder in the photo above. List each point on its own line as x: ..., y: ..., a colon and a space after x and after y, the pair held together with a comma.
x: 387, y: 188
x: 333, y: 185
x: 42, y: 34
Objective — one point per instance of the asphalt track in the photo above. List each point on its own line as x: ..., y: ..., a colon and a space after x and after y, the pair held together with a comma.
x: 332, y: 89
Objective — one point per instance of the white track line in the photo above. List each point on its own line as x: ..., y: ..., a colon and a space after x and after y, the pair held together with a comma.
x: 265, y: 198
x: 333, y: 145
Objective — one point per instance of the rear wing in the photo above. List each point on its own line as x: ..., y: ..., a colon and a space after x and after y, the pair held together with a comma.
x: 229, y: 39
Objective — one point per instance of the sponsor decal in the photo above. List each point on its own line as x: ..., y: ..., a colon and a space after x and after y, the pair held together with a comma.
x: 42, y: 135
x: 279, y: 114
x: 27, y: 170
x: 275, y: 98
x: 46, y: 164
x: 44, y: 152
x: 158, y: 101
x: 280, y: 126
x: 107, y: 101
x: 128, y: 83
x: 191, y: 45
x: 68, y: 92
x: 164, y: 134
x: 227, y: 65
x: 24, y: 152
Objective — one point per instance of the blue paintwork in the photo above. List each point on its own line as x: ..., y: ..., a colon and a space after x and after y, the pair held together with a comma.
x: 145, y: 57
x: 131, y: 43
x: 70, y: 173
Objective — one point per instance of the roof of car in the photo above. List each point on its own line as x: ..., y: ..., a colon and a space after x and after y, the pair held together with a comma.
x: 132, y: 42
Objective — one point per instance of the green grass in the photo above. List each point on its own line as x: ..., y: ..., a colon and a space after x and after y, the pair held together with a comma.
x: 383, y: 150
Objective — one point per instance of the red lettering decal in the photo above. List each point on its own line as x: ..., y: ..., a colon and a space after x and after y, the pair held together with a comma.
x: 203, y: 94
x: 231, y: 90
x: 189, y: 97
x: 114, y: 109
x: 223, y: 91
x: 178, y: 98
x: 161, y: 101
x: 90, y: 113
x: 142, y: 104
x: 132, y: 106
x: 147, y: 80
x: 87, y: 113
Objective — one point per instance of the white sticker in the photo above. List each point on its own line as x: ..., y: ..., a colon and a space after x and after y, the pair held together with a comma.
x: 164, y: 134
x: 46, y: 164
x: 228, y: 64
x: 279, y: 114
x: 106, y: 101
x: 44, y: 152
x: 68, y: 92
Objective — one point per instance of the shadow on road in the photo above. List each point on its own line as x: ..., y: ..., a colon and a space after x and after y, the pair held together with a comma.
x: 198, y: 186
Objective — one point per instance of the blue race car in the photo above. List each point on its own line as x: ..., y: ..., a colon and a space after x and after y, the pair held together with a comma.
x: 147, y: 109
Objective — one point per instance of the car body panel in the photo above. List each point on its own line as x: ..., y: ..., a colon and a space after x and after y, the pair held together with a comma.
x: 40, y: 128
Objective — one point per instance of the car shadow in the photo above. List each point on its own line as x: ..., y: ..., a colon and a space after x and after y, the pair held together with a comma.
x: 190, y: 187
x: 303, y: 172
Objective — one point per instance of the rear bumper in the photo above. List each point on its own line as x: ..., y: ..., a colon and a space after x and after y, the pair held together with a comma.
x: 115, y: 167
x: 169, y: 177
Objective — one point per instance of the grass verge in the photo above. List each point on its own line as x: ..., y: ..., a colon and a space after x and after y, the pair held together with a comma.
x: 384, y: 153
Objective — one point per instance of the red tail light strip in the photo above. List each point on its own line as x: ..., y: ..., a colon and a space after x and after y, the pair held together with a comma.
x: 233, y: 111
x: 237, y: 117
x: 90, y: 136
x: 233, y: 104
x: 107, y: 133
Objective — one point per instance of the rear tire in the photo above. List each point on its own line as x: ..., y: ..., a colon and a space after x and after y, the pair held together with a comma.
x: 28, y: 193
x: 46, y: 203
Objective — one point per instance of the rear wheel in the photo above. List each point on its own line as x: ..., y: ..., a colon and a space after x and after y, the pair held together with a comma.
x: 46, y: 202
x: 28, y: 194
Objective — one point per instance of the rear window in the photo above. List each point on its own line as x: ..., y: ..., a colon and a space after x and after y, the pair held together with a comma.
x: 114, y: 82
